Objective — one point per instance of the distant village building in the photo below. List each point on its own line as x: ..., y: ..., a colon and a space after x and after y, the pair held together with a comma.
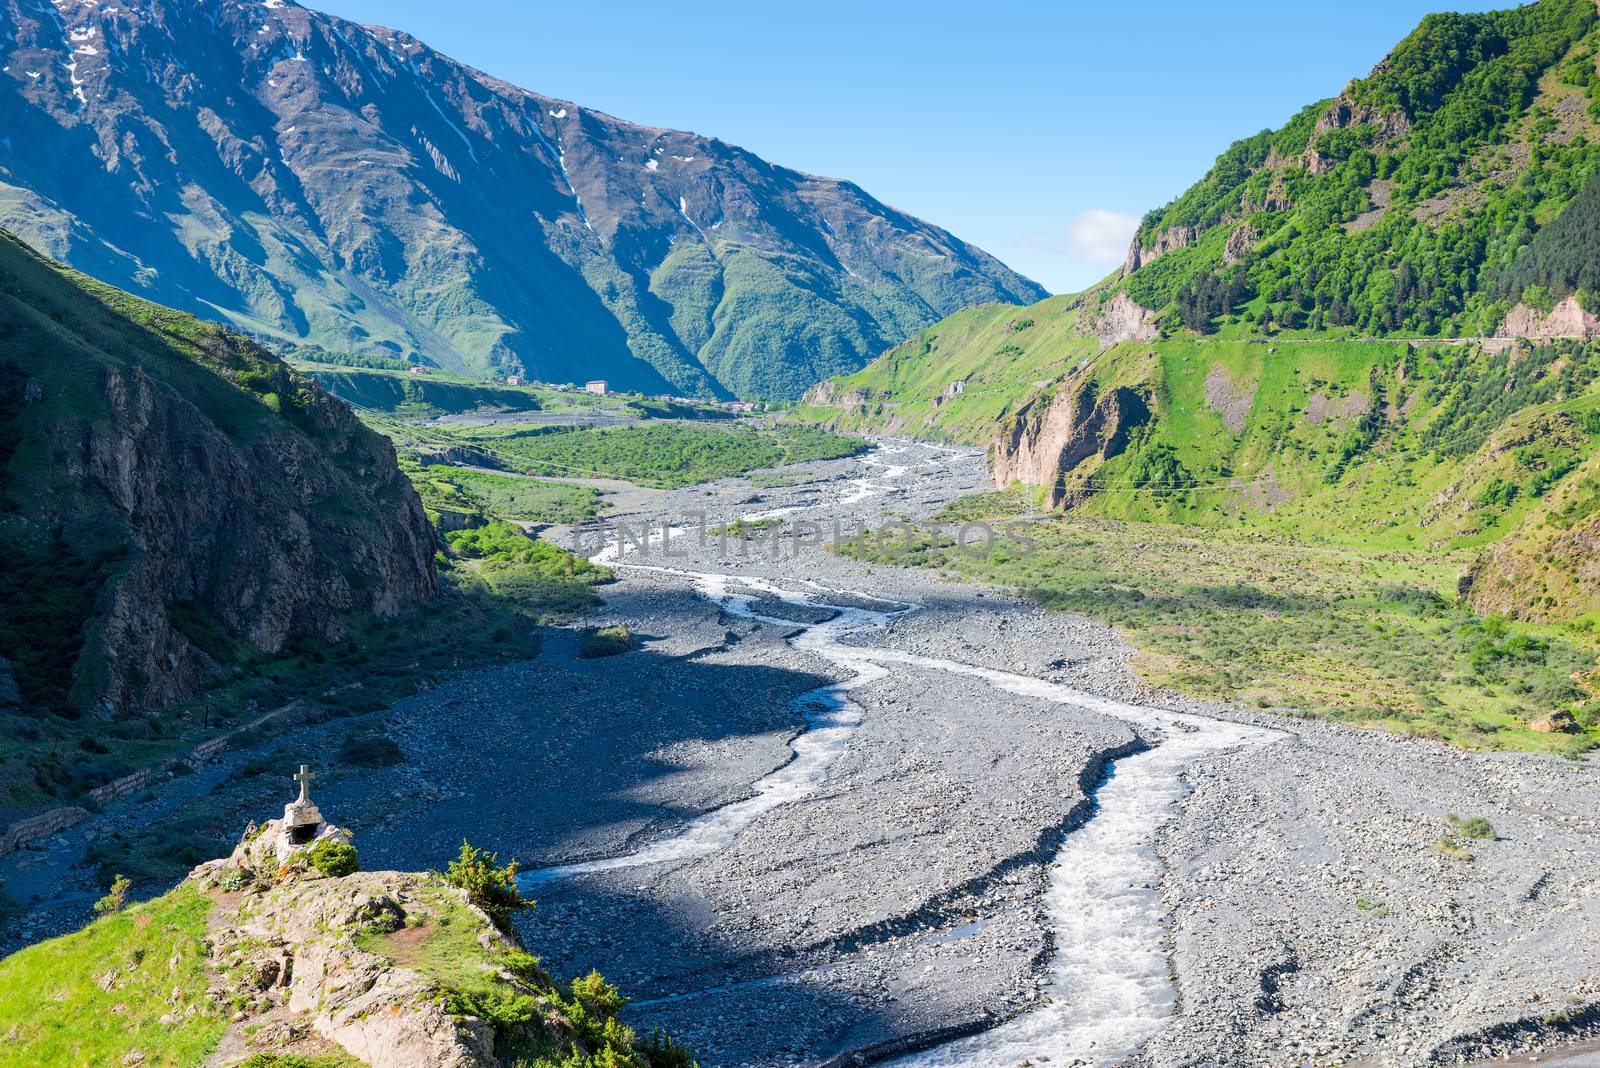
x: 597, y: 387
x: 418, y: 369
x: 514, y: 380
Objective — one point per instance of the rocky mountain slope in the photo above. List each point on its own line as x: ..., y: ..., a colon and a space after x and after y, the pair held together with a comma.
x: 174, y: 500
x: 1373, y: 323
x: 308, y: 178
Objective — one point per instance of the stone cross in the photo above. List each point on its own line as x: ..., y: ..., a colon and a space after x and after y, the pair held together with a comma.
x: 304, y: 779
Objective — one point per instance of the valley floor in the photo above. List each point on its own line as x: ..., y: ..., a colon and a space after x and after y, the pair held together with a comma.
x: 1314, y: 914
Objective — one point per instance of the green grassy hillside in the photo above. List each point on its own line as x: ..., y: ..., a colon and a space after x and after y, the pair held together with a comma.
x: 1301, y: 348
x: 133, y: 981
x: 955, y: 381
x: 1382, y: 443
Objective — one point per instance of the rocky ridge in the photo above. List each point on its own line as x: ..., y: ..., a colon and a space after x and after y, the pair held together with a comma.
x: 1052, y: 435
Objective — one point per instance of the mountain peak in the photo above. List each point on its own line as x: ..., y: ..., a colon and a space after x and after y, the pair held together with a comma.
x: 307, y: 178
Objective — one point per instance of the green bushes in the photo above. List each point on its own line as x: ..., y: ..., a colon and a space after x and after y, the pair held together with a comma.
x: 605, y: 641
x: 1499, y: 494
x: 528, y: 575
x: 478, y: 493
x: 1453, y: 844
x: 1158, y: 470
x: 1476, y: 827
x: 1498, y: 649
x: 334, y: 859
x: 115, y: 899
x: 592, y: 1004
x: 505, y: 544
x: 493, y: 889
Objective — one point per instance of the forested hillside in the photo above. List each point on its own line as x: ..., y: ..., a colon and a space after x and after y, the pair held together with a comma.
x: 1369, y: 326
x: 1406, y: 205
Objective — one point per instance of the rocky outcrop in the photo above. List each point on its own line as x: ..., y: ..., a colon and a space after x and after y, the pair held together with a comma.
x: 1123, y: 319
x: 1388, y: 125
x: 1241, y: 240
x: 1161, y: 243
x: 244, y: 528
x: 1230, y: 399
x: 825, y: 394
x: 1561, y: 721
x: 295, y: 947
x: 1567, y: 319
x: 240, y: 508
x: 398, y: 970
x: 1055, y: 433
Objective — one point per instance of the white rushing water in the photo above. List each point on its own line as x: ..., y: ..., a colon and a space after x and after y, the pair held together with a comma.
x: 1109, y: 988
x: 831, y: 717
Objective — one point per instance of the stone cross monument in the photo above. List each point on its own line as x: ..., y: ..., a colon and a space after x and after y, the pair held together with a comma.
x: 301, y: 817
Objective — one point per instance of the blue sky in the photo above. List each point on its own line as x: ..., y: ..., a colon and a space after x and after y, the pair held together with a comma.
x: 1039, y: 131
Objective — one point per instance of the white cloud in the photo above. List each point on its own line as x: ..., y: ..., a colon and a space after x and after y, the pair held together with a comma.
x: 1065, y: 259
x: 1100, y: 236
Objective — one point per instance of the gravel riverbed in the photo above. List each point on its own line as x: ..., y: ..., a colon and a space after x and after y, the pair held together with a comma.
x: 903, y: 899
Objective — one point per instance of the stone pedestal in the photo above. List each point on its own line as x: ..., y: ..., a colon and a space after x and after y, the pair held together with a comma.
x: 302, y: 821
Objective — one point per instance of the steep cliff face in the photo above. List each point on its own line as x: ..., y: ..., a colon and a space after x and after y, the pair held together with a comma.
x: 1052, y: 436
x: 1123, y: 320
x: 1145, y: 249
x: 304, y: 176
x: 1568, y: 319
x: 202, y: 499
